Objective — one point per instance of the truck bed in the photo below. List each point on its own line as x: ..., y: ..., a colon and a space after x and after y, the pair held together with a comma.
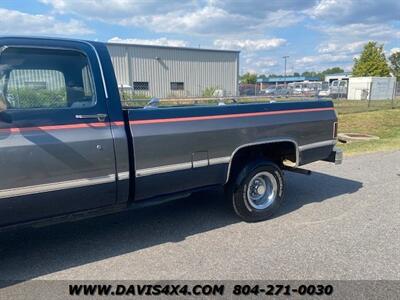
x: 190, y: 140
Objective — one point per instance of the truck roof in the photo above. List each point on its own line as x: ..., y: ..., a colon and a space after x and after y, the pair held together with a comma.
x: 45, y: 38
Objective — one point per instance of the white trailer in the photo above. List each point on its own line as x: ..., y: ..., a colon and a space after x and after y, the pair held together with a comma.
x: 371, y: 88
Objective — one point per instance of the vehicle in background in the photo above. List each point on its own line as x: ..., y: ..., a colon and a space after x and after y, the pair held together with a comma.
x: 324, y: 92
x: 70, y: 149
x: 306, y: 88
x: 281, y: 91
x: 269, y: 91
x: 338, y: 89
x: 277, y: 91
x: 248, y: 89
x: 296, y: 89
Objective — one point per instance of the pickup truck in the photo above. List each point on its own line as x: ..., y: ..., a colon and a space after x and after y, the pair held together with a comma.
x: 70, y: 150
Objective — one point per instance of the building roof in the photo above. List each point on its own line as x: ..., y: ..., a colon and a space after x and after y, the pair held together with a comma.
x: 287, y: 79
x: 171, y: 47
x: 111, y: 43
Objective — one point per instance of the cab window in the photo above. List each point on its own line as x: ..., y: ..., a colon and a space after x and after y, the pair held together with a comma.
x: 32, y: 78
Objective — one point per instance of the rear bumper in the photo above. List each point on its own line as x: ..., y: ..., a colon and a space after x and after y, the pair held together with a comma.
x: 336, y: 156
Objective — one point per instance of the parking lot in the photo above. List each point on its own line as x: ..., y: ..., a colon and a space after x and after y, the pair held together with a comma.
x: 342, y: 222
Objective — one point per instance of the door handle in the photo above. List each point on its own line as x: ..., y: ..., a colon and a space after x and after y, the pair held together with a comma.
x: 100, y: 117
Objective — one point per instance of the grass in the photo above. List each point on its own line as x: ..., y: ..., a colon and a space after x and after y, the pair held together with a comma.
x: 382, y: 123
x: 356, y: 106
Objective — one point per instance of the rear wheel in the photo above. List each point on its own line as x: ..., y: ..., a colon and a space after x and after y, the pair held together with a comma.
x: 257, y: 191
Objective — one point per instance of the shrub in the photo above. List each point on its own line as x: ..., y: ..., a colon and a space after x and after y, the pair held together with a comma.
x: 37, y: 98
x: 209, y: 91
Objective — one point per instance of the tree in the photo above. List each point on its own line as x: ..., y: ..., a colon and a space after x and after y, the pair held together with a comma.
x: 308, y: 73
x: 262, y: 76
x: 248, y: 78
x: 320, y: 76
x: 372, y: 61
x: 395, y: 64
x: 333, y: 70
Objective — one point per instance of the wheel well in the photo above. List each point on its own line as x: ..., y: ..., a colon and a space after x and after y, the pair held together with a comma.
x: 276, y: 152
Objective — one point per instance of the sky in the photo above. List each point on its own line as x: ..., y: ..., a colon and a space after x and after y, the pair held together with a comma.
x: 315, y: 34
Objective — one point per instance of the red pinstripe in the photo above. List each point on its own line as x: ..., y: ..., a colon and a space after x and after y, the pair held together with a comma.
x: 54, y: 127
x: 228, y: 116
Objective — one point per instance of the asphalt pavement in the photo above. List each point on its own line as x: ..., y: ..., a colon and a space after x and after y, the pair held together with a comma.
x: 342, y: 222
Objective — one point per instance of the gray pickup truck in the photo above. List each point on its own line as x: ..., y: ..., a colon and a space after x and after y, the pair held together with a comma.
x: 69, y: 149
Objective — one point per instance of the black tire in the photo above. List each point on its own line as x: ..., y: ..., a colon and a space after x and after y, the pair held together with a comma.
x: 239, y: 190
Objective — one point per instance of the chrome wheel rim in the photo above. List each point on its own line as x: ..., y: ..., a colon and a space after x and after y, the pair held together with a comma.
x: 262, y: 190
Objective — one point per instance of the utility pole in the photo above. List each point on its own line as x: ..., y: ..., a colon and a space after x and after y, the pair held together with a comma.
x: 285, y: 58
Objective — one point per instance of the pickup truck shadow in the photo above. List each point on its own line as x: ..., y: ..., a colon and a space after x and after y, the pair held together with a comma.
x: 36, y: 252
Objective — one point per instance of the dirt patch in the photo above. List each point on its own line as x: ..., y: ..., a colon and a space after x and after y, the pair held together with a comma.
x: 356, y: 137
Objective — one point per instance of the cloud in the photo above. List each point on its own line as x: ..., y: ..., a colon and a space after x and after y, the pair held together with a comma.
x: 322, y: 61
x: 366, y: 31
x: 321, y: 58
x: 115, y: 9
x: 204, y: 17
x: 348, y: 25
x: 336, y: 47
x: 394, y: 50
x: 279, y: 19
x: 349, y: 40
x: 356, y: 11
x: 16, y: 22
x: 207, y: 20
x: 265, y: 62
x: 250, y: 45
x: 160, y: 42
x: 256, y: 63
x: 258, y: 8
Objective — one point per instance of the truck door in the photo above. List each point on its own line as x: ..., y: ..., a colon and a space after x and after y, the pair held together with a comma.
x: 56, y: 147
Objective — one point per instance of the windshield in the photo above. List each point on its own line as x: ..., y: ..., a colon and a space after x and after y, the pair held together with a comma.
x: 325, y: 86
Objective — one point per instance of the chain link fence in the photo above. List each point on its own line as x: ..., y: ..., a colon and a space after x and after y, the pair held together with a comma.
x: 397, y: 90
x: 138, y: 97
x: 298, y: 92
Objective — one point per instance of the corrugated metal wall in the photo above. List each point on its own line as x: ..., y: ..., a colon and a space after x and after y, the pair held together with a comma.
x: 49, y: 79
x: 198, y: 69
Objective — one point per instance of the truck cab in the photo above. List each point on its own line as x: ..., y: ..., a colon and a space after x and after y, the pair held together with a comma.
x: 56, y: 139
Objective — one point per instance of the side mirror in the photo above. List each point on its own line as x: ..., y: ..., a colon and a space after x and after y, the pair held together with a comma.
x: 153, y: 103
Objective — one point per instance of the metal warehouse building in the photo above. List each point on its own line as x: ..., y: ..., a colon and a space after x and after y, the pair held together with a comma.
x: 165, y: 72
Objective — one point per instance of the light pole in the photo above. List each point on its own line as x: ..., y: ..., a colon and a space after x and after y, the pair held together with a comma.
x: 285, y: 58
